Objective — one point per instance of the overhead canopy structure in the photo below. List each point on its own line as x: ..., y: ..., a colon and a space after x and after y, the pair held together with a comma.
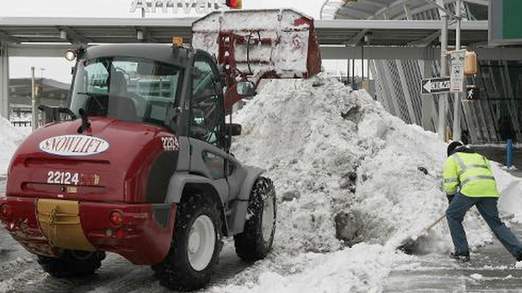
x: 400, y: 38
x: 21, y: 30
x: 388, y: 9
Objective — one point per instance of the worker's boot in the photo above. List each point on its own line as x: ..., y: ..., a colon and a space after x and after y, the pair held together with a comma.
x: 461, y: 257
x: 519, y: 257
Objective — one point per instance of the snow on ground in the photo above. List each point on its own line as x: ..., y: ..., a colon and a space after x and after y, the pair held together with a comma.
x: 346, y: 169
x: 361, y: 268
x: 510, y: 203
x: 10, y: 138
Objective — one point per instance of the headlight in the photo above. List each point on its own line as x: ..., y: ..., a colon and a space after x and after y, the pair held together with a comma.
x: 70, y: 55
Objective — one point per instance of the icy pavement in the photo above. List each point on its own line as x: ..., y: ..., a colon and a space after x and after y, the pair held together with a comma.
x: 19, y: 272
x: 491, y: 269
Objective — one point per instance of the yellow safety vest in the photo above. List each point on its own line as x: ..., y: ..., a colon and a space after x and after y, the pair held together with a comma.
x: 470, y: 174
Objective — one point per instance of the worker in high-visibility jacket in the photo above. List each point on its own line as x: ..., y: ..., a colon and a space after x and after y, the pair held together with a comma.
x: 469, y: 181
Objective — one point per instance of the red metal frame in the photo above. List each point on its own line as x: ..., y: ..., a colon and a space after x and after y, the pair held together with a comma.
x: 122, y: 173
x: 140, y: 238
x: 228, y: 40
x: 123, y: 169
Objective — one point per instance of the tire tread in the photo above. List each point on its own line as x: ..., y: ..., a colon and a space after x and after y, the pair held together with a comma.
x: 250, y: 245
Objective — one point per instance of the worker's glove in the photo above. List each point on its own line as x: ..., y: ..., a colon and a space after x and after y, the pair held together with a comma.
x: 450, y: 198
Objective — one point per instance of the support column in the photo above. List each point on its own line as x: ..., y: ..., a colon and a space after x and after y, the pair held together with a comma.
x: 443, y: 99
x: 457, y: 97
x: 4, y: 81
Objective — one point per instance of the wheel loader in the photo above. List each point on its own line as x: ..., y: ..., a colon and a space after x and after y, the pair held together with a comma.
x: 139, y: 161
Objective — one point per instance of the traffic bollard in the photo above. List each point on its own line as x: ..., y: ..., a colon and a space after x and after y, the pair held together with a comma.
x: 509, y: 153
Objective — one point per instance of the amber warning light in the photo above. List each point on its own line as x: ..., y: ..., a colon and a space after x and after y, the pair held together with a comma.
x: 235, y: 4
x: 177, y: 41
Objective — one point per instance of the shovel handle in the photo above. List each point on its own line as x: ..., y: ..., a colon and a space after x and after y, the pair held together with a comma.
x: 436, y: 222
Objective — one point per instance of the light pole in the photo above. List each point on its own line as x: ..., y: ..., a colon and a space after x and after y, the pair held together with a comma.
x: 457, y: 131
x: 443, y: 100
x: 34, y: 109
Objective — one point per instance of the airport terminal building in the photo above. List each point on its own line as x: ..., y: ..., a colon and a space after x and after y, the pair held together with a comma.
x: 398, y: 41
x: 486, y: 117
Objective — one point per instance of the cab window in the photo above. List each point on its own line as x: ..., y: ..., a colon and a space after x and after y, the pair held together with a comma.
x: 126, y: 88
x: 206, y: 104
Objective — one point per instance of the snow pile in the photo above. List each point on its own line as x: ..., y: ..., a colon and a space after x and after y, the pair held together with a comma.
x: 510, y: 203
x: 344, y: 169
x: 341, y: 153
x: 10, y: 139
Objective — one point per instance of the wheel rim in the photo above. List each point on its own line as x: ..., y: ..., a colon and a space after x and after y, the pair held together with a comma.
x: 201, y: 243
x: 267, y: 225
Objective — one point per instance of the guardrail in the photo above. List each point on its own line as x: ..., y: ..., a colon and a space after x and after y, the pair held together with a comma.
x: 21, y: 123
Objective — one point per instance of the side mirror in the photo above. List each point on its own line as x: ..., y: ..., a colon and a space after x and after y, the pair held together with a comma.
x: 246, y: 89
x: 233, y: 129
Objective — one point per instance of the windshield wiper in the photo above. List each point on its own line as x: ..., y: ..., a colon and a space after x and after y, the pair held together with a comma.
x: 95, y: 97
x: 85, y: 121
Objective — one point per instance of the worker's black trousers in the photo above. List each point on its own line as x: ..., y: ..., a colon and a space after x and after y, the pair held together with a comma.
x: 487, y: 206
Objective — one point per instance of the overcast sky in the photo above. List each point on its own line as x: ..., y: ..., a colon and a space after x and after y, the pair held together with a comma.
x: 58, y: 68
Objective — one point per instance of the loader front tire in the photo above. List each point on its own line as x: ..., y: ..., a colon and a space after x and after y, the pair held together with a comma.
x: 195, y: 247
x: 255, y: 242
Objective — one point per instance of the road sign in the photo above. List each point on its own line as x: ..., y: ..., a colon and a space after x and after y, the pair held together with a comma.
x: 435, y: 85
x: 472, y: 92
x: 457, y: 59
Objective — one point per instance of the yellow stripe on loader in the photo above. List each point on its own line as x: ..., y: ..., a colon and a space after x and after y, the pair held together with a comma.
x: 60, y: 223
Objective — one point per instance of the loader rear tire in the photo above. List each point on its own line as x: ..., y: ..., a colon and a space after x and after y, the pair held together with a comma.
x: 255, y: 242
x: 72, y: 263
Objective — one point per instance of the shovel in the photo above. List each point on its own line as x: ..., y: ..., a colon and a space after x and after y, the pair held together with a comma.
x: 407, y: 245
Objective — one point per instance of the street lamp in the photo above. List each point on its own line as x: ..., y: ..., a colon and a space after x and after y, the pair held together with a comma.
x: 34, y: 119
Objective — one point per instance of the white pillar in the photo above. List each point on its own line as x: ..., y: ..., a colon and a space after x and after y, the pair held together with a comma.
x: 457, y: 103
x: 4, y: 81
x: 34, y: 106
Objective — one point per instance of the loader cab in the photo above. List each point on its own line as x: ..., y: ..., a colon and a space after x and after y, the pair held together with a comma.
x: 182, y: 92
x: 142, y: 84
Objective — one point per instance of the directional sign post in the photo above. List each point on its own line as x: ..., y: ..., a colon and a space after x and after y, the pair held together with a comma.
x: 457, y: 59
x: 435, y: 85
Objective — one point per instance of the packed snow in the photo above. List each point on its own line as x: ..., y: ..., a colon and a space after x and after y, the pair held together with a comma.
x: 353, y: 183
x: 11, y: 137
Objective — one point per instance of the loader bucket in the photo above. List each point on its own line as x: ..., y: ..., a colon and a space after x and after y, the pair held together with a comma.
x: 257, y: 44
